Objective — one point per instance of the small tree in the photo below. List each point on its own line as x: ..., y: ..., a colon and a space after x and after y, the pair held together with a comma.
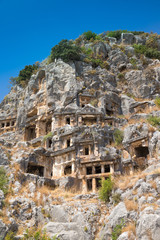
x: 65, y: 50
x: 24, y: 76
x: 118, y: 136
x: 106, y: 189
x: 26, y: 73
x: 90, y: 35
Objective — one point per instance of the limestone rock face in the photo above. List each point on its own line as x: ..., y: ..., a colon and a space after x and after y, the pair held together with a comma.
x: 142, y: 83
x: 3, y: 157
x: 148, y: 226
x: 128, y: 38
x: 3, y: 230
x: 118, y: 213
x: 68, y: 231
x: 74, y: 124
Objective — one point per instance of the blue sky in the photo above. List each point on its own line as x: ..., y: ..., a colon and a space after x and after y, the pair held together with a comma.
x: 30, y: 28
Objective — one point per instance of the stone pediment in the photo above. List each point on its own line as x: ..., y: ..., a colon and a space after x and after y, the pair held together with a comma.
x: 87, y: 136
x: 89, y: 109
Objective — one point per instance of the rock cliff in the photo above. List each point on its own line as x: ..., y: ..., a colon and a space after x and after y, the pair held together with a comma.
x: 76, y: 123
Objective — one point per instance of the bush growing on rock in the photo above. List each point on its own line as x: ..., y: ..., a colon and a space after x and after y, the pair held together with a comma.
x: 65, y: 50
x: 24, y: 76
x: 37, y: 235
x: 117, y: 230
x: 106, y: 189
x: 157, y: 101
x: 49, y: 135
x: 117, y: 34
x: 118, y: 136
x: 90, y: 35
x: 3, y: 180
x: 152, y: 41
x: 154, y: 121
x: 148, y: 52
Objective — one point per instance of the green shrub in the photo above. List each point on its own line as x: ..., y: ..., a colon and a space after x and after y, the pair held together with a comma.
x: 66, y: 50
x: 116, y: 34
x: 148, y: 52
x: 133, y: 61
x: 152, y: 53
x: 49, y: 135
x: 154, y: 121
x: 118, y: 136
x: 137, y: 32
x: 10, y: 236
x: 37, y: 235
x: 90, y: 35
x: 117, y: 230
x: 152, y: 41
x: 138, y: 48
x: 116, y: 198
x: 24, y: 76
x: 157, y: 101
x: 3, y: 180
x: 106, y: 189
x: 121, y: 77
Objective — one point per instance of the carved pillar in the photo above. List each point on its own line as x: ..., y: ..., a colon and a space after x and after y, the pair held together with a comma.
x: 96, y: 149
x: 73, y: 167
x: 84, y: 185
x: 112, y: 168
x: 84, y: 170
x: 102, y: 169
x: 62, y: 170
x: 93, y: 184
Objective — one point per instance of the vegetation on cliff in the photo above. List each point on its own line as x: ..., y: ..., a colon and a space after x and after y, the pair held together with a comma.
x: 24, y: 76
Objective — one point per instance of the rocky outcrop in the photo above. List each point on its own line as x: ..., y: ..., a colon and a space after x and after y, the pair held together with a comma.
x: 73, y: 124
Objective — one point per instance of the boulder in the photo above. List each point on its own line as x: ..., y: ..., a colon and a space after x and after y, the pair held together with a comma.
x: 117, y: 214
x: 3, y: 230
x: 59, y: 214
x: 128, y: 38
x: 66, y: 231
x: 148, y: 227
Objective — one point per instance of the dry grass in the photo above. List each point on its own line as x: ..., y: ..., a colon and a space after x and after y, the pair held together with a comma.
x: 156, y: 171
x: 128, y: 181
x: 130, y: 228
x: 135, y: 191
x: 55, y: 194
x: 153, y: 184
x: 131, y: 205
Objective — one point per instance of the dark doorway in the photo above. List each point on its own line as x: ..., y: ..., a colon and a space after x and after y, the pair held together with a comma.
x: 68, y: 121
x: 68, y: 143
x: 97, y: 169
x: 48, y: 126
x: 89, y: 170
x: 109, y: 112
x: 31, y: 133
x: 98, y: 183
x: 89, y: 184
x: 141, y: 151
x: 67, y: 170
x: 49, y: 143
x: 8, y: 124
x: 86, y: 150
x: 36, y: 170
x: 106, y: 168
